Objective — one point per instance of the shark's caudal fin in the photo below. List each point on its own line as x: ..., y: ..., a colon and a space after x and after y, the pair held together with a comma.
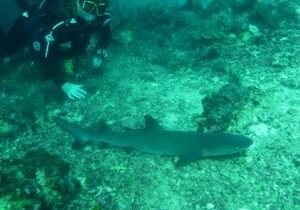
x: 81, y: 137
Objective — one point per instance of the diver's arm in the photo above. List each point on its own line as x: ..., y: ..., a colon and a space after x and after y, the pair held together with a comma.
x: 80, y: 44
x: 104, y: 37
x: 53, y: 70
x: 105, y: 33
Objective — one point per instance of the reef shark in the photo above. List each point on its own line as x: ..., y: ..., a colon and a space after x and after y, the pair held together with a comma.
x: 187, y: 145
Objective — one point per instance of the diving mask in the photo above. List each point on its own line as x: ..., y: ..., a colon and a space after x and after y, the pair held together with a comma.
x: 94, y: 8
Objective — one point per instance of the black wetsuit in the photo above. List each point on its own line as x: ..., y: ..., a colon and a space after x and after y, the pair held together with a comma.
x: 52, y: 39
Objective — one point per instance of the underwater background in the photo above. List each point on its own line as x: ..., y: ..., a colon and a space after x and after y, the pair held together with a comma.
x: 194, y: 66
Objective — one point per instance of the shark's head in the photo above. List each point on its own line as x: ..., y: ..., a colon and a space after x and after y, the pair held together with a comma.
x: 245, y: 142
x: 222, y: 144
x: 237, y: 143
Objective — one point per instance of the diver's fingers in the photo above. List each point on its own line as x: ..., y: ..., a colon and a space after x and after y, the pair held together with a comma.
x: 82, y: 91
x: 71, y: 96
x: 79, y: 94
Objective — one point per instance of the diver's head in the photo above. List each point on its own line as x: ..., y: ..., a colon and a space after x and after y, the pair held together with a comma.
x: 89, y: 10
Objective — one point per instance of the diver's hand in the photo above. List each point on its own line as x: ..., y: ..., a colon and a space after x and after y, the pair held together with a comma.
x: 97, y: 62
x: 102, y: 52
x: 73, y: 91
x: 101, y: 55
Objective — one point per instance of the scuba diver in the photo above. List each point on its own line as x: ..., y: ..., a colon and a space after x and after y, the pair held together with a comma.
x: 55, y: 30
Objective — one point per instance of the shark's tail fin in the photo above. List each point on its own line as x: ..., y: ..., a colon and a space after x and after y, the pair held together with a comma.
x: 81, y: 137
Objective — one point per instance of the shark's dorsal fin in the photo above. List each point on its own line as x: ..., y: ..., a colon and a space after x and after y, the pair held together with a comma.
x: 151, y: 124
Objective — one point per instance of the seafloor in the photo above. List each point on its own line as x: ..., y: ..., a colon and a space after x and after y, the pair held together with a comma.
x: 218, y: 68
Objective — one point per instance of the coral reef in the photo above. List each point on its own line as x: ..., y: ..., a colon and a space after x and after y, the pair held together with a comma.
x: 230, y: 66
x: 38, y: 180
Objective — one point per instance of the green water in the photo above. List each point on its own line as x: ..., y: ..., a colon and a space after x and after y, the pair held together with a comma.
x: 232, y: 66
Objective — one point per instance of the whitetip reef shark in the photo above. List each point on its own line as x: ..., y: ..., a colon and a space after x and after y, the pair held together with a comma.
x: 187, y: 145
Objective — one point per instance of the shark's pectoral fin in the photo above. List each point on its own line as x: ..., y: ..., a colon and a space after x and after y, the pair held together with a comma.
x: 103, y: 145
x: 187, y: 158
x: 79, y: 144
x: 129, y: 150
